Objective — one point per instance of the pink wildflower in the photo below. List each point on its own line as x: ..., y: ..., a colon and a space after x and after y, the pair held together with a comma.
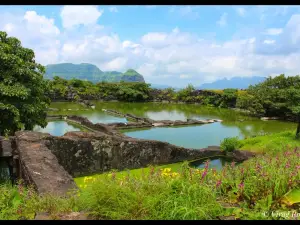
x: 218, y: 184
x: 242, y: 171
x: 204, y: 174
x: 232, y: 164
x: 241, y: 186
x: 206, y: 164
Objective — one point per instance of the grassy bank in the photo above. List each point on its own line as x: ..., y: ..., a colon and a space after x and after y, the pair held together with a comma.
x: 271, y: 143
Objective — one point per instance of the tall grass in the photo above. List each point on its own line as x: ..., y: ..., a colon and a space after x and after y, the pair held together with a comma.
x: 256, y: 185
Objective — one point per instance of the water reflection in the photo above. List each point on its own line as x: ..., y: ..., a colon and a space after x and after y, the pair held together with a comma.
x: 57, y: 128
x: 215, y: 162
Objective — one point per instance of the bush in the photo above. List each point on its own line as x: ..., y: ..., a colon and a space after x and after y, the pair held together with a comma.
x: 230, y: 144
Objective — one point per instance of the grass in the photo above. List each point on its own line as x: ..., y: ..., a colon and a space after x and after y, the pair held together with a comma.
x: 137, y: 173
x: 257, y: 185
x: 270, y: 142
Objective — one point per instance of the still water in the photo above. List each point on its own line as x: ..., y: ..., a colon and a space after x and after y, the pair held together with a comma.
x: 215, y: 162
x: 57, y: 128
x: 234, y: 123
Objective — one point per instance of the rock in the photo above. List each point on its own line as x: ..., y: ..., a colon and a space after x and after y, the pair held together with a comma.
x: 65, y: 216
x: 227, y: 218
x: 40, y: 167
x: 217, y: 120
x: 5, y: 148
x: 269, y: 118
x: 158, y: 124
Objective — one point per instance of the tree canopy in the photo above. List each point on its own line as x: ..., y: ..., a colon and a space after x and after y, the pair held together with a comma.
x: 22, y: 87
x: 278, y: 96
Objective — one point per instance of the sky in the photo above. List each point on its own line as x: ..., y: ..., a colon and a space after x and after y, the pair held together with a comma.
x: 171, y: 45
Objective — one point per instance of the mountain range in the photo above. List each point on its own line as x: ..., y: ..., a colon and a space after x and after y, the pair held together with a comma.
x: 90, y: 72
x: 235, y: 82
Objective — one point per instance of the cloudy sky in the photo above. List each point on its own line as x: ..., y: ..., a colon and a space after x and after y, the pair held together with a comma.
x: 173, y: 45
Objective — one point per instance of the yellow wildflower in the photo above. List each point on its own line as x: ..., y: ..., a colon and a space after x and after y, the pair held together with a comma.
x: 167, y: 170
x: 174, y: 174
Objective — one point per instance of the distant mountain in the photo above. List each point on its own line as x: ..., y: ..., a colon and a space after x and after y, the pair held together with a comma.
x: 90, y: 72
x: 83, y: 71
x: 132, y: 76
x: 235, y: 82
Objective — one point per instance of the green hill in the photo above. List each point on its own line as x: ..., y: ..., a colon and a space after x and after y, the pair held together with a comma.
x: 132, y: 76
x: 90, y: 72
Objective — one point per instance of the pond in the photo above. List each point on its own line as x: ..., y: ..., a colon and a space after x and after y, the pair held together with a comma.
x: 234, y: 123
x: 214, y: 162
x: 57, y: 128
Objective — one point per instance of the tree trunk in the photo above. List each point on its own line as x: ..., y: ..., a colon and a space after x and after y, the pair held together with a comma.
x: 298, y: 128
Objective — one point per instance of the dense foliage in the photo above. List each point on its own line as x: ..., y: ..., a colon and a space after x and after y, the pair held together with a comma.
x: 22, y: 87
x: 74, y: 89
x: 278, y: 96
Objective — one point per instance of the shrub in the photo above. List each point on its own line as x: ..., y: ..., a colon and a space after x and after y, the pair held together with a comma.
x: 230, y: 144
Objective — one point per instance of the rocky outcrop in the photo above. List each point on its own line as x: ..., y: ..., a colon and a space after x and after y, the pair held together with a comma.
x: 146, y: 122
x: 39, y: 166
x: 83, y: 153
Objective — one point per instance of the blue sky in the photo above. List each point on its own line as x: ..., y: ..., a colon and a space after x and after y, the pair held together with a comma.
x: 173, y: 45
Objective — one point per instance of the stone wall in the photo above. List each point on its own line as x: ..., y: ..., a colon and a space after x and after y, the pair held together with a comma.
x: 83, y: 153
x: 39, y: 167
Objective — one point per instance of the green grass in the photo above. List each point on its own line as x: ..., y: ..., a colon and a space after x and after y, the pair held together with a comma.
x: 271, y: 142
x: 137, y: 173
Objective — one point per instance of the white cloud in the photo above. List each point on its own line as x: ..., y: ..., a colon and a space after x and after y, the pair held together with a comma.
x: 8, y: 27
x: 115, y: 64
x: 175, y: 57
x: 79, y: 15
x: 113, y: 9
x: 223, y: 20
x: 241, y: 11
x: 268, y: 42
x: 274, y: 31
x: 44, y: 25
x: 34, y: 31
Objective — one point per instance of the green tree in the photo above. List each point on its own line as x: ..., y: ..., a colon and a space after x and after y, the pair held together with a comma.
x: 278, y: 96
x: 22, y: 88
